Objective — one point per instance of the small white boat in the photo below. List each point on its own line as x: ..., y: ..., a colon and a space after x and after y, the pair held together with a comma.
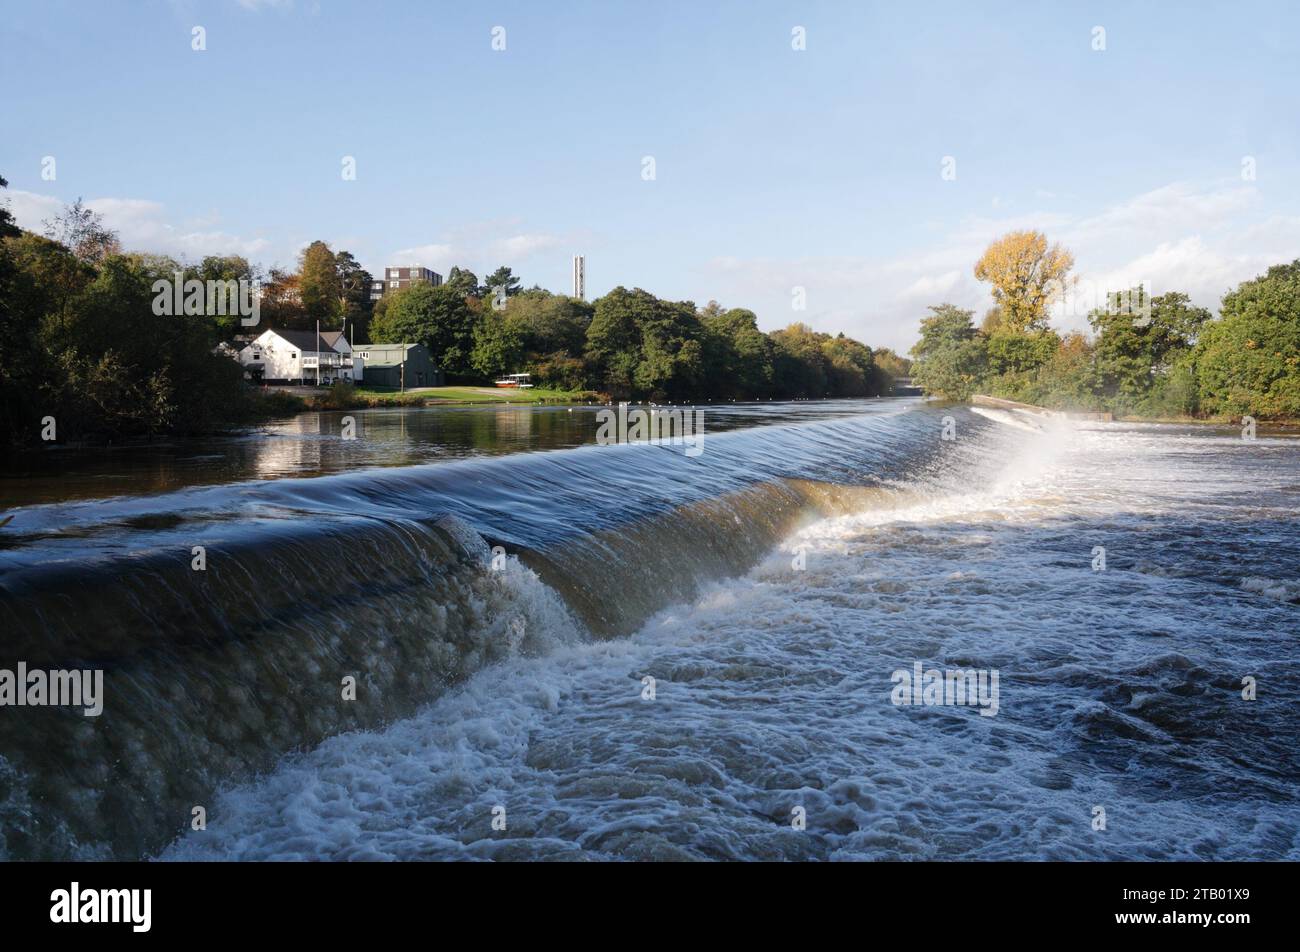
x: 515, y: 381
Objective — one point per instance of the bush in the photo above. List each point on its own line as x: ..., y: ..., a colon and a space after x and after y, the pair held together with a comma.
x: 342, y: 395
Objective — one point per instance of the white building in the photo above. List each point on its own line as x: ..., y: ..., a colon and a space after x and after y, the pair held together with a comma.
x: 295, y: 356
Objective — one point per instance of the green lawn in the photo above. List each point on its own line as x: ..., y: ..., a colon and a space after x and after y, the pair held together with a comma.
x: 471, y: 395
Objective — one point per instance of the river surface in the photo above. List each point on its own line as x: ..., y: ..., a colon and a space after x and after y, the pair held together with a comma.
x: 312, y: 444
x: 570, y: 651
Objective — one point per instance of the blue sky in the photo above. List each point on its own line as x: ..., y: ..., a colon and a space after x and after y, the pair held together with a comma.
x: 775, y: 168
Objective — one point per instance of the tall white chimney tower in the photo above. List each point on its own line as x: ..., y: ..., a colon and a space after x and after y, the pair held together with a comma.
x: 580, y: 277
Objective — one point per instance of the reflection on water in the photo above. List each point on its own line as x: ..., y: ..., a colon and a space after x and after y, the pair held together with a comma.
x: 313, y: 444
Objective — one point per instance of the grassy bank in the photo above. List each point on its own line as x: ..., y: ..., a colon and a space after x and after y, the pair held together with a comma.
x: 348, y: 397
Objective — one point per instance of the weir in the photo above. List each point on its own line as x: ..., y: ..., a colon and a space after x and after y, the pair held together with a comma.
x: 211, y: 676
x: 998, y: 403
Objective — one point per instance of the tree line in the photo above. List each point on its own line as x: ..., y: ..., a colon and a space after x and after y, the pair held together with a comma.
x: 82, y: 344
x: 1157, y: 356
x: 85, y: 356
x: 628, y: 344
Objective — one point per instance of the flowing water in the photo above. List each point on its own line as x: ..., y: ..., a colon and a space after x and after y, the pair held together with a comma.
x: 628, y: 652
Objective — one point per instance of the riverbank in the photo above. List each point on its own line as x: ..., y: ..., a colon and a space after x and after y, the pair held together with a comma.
x: 346, y: 397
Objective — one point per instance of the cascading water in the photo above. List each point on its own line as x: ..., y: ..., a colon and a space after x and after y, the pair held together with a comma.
x: 484, y: 682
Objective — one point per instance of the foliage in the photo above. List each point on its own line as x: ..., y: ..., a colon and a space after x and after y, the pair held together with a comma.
x: 890, y: 364
x: 498, y: 346
x: 951, y: 358
x: 440, y: 318
x: 1248, y: 362
x: 1136, y: 349
x: 320, y: 286
x: 92, y: 354
x: 354, y: 302
x: 502, y: 278
x: 1027, y: 276
x: 82, y: 231
x: 738, y: 357
x: 463, y: 281
x: 1166, y: 359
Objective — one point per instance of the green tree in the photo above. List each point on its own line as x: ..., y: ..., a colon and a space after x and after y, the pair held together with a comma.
x: 221, y: 268
x: 850, y: 368
x: 502, y: 277
x: 737, y: 355
x: 798, y: 362
x: 463, y: 281
x: 1012, y: 352
x: 86, y: 347
x: 1248, y: 361
x: 550, y: 323
x: 354, y: 295
x: 1137, y: 348
x: 319, y: 285
x: 498, y: 346
x: 440, y: 318
x: 614, y: 338
x: 950, y: 359
x: 671, y: 359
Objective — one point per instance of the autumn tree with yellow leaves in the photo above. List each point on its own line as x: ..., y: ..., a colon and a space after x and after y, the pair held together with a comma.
x: 1027, y: 276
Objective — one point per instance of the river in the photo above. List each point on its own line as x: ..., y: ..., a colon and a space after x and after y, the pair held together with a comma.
x: 562, y: 650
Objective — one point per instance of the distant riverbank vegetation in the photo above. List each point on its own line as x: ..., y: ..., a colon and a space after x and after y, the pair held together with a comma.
x: 627, y: 344
x: 84, y: 356
x: 1156, y: 357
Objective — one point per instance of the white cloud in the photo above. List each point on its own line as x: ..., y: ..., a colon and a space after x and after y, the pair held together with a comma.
x: 437, y: 257
x: 141, y: 225
x: 930, y: 287
x: 30, y: 209
x: 518, y: 247
x: 1201, y: 239
x: 144, y: 225
x: 481, y: 247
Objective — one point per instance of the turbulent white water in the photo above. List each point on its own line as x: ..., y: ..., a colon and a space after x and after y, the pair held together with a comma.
x: 1120, y: 689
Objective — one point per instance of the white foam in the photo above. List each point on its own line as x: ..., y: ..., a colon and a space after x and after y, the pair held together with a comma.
x: 772, y: 692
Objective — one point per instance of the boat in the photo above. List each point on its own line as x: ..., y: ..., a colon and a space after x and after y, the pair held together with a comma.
x: 515, y: 381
